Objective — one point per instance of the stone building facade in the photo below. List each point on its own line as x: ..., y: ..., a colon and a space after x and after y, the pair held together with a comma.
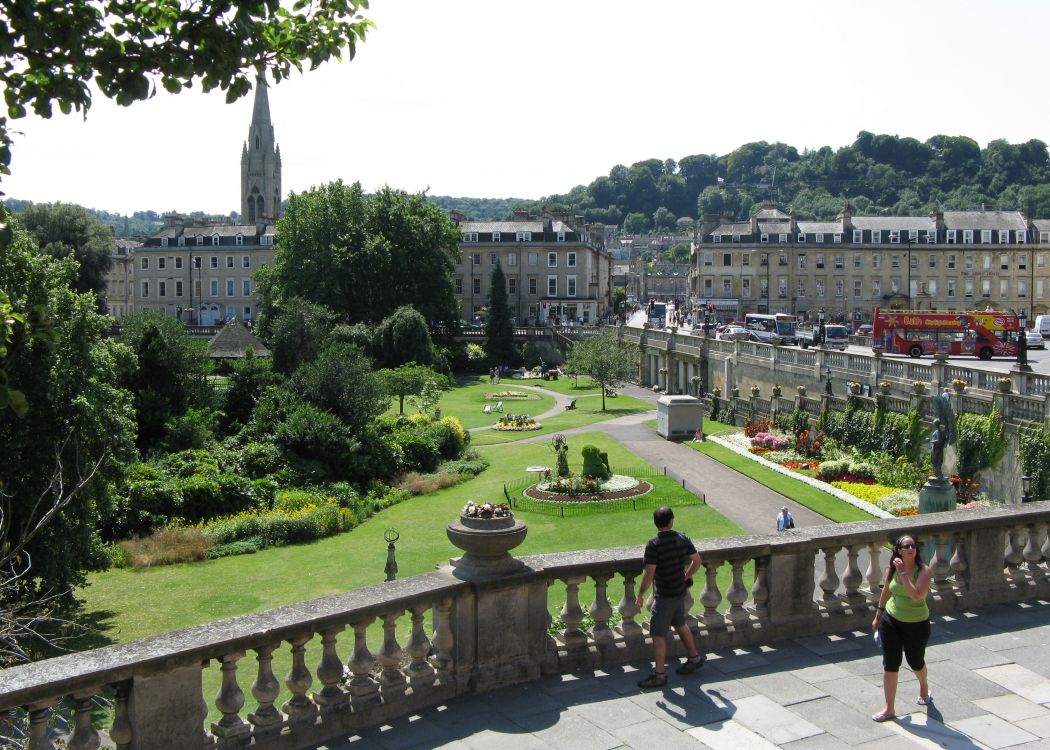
x: 556, y: 272
x: 948, y: 260
x: 120, y: 278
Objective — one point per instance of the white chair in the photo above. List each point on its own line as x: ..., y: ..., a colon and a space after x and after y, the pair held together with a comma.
x: 499, y: 406
x: 488, y: 409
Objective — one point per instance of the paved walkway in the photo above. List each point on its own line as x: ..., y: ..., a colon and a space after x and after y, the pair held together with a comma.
x: 989, y: 675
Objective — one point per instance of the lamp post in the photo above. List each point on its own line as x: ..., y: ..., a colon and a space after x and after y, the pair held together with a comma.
x: 1022, y: 342
x: 909, y: 272
x: 827, y: 380
x: 820, y: 326
x: 1026, y: 488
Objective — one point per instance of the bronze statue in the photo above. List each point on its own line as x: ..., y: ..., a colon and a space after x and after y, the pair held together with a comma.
x: 939, y: 437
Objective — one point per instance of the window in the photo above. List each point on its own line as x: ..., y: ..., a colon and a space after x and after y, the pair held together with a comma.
x: 1004, y: 236
x: 856, y: 288
x: 895, y: 284
x: 727, y: 259
x: 819, y: 237
x: 763, y: 286
x: 782, y: 287
x: 561, y: 236
x: 876, y: 236
x: 570, y: 286
x: 820, y: 288
x: 876, y: 261
x: 571, y: 260
x: 840, y: 262
x: 229, y: 287
x: 495, y: 236
x: 1022, y: 288
x: 931, y: 236
x: 708, y: 288
x: 178, y: 262
x: 949, y: 236
x: 820, y: 261
x: 161, y: 263
x: 246, y: 261
x: 951, y: 288
x: 717, y: 238
x: 534, y: 259
x: 532, y: 287
x: 552, y: 260
x: 913, y: 235
x: 1022, y: 262
x: 986, y: 236
x: 801, y: 237
x: 858, y: 261
x: 229, y: 261
x: 968, y: 287
x: 967, y: 236
x: 736, y: 238
x: 470, y: 236
x: 840, y: 288
x: 764, y: 238
x: 145, y: 289
x: 969, y: 262
x: 240, y: 239
x: 1021, y: 235
x: 213, y: 288
x: 986, y: 262
x: 246, y: 287
x: 858, y: 235
x: 801, y: 287
x: 745, y: 288
x: 727, y: 288
x: 782, y: 260
x: 709, y: 258
x: 214, y: 262
x: 476, y: 285
x: 200, y: 239
x: 459, y: 285
x: 266, y: 239
x: 1004, y: 288
x: 802, y: 261
x: 196, y: 288
x: 163, y: 241
x: 512, y: 259
x: 162, y: 289
x: 512, y: 285
x: 144, y: 263
x: 215, y: 240
x: 837, y: 238
x: 913, y: 262
x: 951, y: 262
x: 895, y: 261
x: 745, y: 259
x: 523, y: 237
x: 932, y: 260
x: 932, y: 287
x: 475, y: 259
x: 492, y: 259
x: 783, y: 239
x: 895, y: 237
x: 182, y: 241
x: 876, y: 288
x: 1004, y: 262
x: 986, y: 287
x: 178, y: 288
x: 552, y: 286
x: 1040, y: 286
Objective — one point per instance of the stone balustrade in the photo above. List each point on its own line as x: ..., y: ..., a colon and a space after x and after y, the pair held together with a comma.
x: 488, y: 632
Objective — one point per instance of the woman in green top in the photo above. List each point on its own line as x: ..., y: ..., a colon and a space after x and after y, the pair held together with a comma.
x: 902, y: 620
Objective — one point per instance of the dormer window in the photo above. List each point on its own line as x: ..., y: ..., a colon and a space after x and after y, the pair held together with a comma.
x: 895, y: 237
x: 200, y: 239
x: 240, y: 239
x: 495, y: 236
x: 215, y: 240
x: 913, y: 235
x: 801, y: 237
x: 1004, y: 236
x: 986, y: 236
x: 163, y: 241
x: 764, y: 238
x: 523, y: 237
x: 876, y: 235
x: 931, y: 236
x: 858, y: 235
x: 967, y: 236
x: 783, y: 239
x: 819, y: 238
x: 470, y: 236
x: 949, y: 237
x: 837, y: 238
x: 561, y: 238
x: 182, y: 241
x: 716, y: 237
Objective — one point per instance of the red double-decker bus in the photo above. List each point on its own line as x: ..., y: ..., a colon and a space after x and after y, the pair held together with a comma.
x: 980, y: 334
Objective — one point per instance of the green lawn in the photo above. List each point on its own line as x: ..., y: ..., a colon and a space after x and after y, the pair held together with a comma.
x: 565, y: 385
x: 466, y: 400
x: 588, y: 411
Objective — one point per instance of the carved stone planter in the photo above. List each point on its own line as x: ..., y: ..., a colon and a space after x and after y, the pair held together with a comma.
x: 755, y: 391
x: 960, y: 387
x: 1005, y: 385
x: 487, y: 543
x: 777, y: 390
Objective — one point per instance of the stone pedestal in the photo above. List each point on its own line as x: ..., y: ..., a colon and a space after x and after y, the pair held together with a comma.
x: 487, y: 543
x: 936, y: 496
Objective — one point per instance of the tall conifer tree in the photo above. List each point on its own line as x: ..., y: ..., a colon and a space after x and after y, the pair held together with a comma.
x: 499, y: 333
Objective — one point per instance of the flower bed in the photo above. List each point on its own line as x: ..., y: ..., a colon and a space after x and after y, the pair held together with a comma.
x: 512, y: 396
x: 588, y: 489
x: 517, y: 423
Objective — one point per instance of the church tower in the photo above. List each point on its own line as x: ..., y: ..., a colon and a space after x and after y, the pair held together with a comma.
x: 260, y: 164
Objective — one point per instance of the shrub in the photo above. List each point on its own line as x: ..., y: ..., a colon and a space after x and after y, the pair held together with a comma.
x: 419, y: 451
x: 150, y: 499
x: 210, y: 495
x: 291, y: 501
x: 448, y: 435
x: 279, y: 527
x: 194, y: 429
x: 901, y: 502
x: 415, y: 483
x: 186, y: 463
x: 864, y: 490
x: 898, y: 472
x: 242, y: 547
x: 592, y: 463
x: 257, y: 459
x: 473, y: 467
x: 344, y: 493
x: 167, y: 546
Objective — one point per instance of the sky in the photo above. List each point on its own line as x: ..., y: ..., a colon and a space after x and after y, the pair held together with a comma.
x: 499, y: 99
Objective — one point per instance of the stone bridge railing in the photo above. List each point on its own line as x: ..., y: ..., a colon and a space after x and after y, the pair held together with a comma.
x: 487, y: 632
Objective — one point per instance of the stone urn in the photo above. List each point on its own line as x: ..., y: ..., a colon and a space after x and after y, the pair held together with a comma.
x: 885, y: 386
x: 802, y: 391
x: 735, y: 393
x: 854, y: 388
x: 777, y: 390
x: 486, y: 543
x: 754, y: 391
x: 918, y: 388
x: 1004, y: 385
x: 959, y: 386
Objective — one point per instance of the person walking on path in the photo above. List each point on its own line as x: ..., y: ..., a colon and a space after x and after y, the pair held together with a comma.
x: 784, y: 520
x: 902, y: 622
x: 666, y: 556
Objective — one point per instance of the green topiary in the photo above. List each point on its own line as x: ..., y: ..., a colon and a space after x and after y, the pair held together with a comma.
x: 592, y: 463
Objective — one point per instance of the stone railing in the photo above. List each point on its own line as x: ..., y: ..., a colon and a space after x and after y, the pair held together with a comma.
x: 488, y: 632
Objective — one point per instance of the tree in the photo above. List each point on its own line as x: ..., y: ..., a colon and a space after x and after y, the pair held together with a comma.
x: 404, y: 337
x: 49, y: 58
x: 406, y: 380
x: 636, y: 223
x: 296, y: 332
x: 64, y: 230
x: 499, y: 333
x: 607, y: 360
x: 251, y: 376
x: 340, y: 381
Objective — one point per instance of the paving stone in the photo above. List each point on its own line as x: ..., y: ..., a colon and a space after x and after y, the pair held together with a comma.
x: 409, y: 732
x: 610, y: 714
x: 736, y: 661
x: 824, y: 645
x: 818, y: 742
x: 657, y: 734
x: 1017, y: 679
x: 774, y: 722
x: 683, y: 709
x: 522, y: 700
x: 488, y: 739
x: 569, y: 731
x: 726, y: 689
x: 1012, y: 708
x: 932, y: 734
x: 820, y: 673
x: 994, y: 732
x: 894, y: 742
x: 971, y: 684
x: 783, y: 688
x: 1039, y: 726
x: 781, y: 650
x: 729, y: 735
x: 966, y: 654
x: 838, y: 719
x: 854, y: 692
x: 1035, y: 659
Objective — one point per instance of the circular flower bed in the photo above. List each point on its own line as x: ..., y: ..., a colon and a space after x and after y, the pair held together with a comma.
x: 588, y: 489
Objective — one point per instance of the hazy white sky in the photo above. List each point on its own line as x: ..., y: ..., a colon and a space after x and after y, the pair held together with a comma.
x: 496, y: 99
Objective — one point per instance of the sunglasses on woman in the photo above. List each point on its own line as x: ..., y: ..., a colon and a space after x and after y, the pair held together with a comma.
x: 907, y: 546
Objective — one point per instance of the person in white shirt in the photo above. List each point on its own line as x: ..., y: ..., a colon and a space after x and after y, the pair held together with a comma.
x: 784, y: 520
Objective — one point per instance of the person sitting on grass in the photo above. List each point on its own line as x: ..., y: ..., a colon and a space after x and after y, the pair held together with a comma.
x: 666, y: 556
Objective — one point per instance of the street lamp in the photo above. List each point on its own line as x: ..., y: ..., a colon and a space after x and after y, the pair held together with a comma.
x: 827, y: 380
x: 1022, y: 342
x: 821, y: 333
x: 1026, y: 488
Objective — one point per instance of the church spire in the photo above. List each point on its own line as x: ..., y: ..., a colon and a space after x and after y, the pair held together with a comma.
x: 260, y: 164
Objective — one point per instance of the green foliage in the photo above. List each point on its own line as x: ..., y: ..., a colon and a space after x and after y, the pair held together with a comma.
x: 916, y: 436
x: 251, y: 375
x: 410, y: 380
x: 50, y: 58
x: 475, y: 358
x: 340, y: 380
x: 898, y: 472
x: 465, y: 466
x: 607, y: 360
x: 448, y: 435
x: 1034, y: 454
x: 296, y: 332
x: 499, y: 333
x: 403, y: 338
x: 593, y: 466
x: 982, y: 442
x: 279, y: 526
x: 194, y: 429
x: 420, y: 453
x: 63, y: 230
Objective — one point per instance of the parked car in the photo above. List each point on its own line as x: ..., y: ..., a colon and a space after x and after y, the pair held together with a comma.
x: 1035, y: 340
x: 864, y: 330
x: 734, y: 333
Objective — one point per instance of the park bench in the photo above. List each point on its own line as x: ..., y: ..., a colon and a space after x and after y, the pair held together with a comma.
x: 570, y: 405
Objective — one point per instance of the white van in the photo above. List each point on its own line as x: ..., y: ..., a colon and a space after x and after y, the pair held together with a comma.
x: 1042, y: 325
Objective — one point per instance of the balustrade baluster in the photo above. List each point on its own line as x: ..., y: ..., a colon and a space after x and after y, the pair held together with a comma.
x: 299, y: 680
x: 391, y: 679
x: 207, y: 741
x: 572, y: 613
x: 330, y: 670
x: 230, y: 700
x: 687, y: 607
x: 711, y: 597
x: 760, y: 589
x: 120, y: 732
x: 443, y: 642
x: 737, y: 594
x: 1014, y: 558
x: 265, y: 689
x: 829, y: 581
x: 958, y: 563
x: 420, y: 674
x: 601, y: 609
x: 939, y: 566
x: 363, y: 688
x: 853, y: 578
x: 1046, y: 552
x: 39, y: 717
x: 85, y: 736
x: 874, y: 573
x: 629, y: 608
x: 1033, y: 555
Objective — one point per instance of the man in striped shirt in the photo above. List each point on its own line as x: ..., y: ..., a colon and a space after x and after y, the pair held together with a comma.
x: 666, y: 556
